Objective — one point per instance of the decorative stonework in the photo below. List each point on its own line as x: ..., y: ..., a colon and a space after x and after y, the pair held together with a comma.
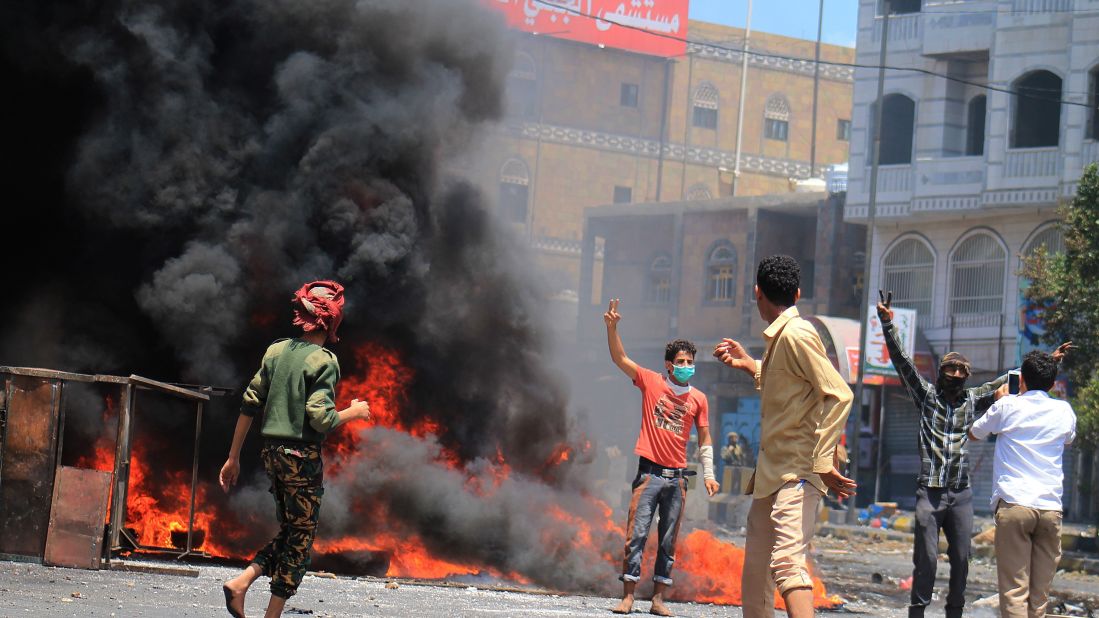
x: 785, y: 168
x: 853, y: 213
x: 563, y: 246
x: 946, y: 204
x: 1020, y: 196
x: 789, y: 65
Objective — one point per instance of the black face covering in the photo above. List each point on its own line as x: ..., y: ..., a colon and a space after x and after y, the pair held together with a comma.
x: 951, y: 386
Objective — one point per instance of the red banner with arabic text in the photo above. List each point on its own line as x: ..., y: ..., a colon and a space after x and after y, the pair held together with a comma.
x: 643, y: 26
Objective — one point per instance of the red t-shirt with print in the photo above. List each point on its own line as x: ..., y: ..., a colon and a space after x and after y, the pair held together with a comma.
x: 667, y: 418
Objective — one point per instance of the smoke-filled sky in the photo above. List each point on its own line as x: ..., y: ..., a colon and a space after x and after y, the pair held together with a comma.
x: 182, y: 167
x: 178, y: 168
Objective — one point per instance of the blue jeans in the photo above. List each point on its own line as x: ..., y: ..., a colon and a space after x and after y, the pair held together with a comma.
x: 653, y: 493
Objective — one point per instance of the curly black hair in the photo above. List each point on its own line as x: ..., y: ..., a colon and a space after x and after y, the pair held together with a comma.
x: 677, y: 346
x: 1039, y: 370
x: 779, y: 278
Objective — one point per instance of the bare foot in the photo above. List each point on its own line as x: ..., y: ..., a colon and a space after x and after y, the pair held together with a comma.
x: 625, y: 607
x: 234, y: 598
x: 659, y: 608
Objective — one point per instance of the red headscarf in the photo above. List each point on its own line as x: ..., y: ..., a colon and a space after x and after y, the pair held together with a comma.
x: 319, y: 305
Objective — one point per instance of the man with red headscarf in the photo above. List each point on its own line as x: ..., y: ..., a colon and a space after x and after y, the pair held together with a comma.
x: 295, y: 388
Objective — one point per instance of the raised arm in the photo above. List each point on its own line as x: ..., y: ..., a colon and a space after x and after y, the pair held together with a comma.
x: 614, y: 342
x: 906, y: 369
x: 989, y: 392
x: 733, y: 354
x: 986, y: 394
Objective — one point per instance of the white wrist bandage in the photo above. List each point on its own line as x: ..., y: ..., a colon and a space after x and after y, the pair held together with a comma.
x: 706, y: 456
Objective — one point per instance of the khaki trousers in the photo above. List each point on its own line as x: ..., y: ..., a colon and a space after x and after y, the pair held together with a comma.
x: 776, y: 547
x: 1028, y: 548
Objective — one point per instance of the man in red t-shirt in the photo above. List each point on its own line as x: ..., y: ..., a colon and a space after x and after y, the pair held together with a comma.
x: 669, y: 406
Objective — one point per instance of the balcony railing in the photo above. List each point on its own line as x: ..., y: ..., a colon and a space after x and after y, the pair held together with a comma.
x: 1031, y: 162
x: 901, y: 28
x: 893, y: 178
x: 1042, y: 6
x: 1090, y: 153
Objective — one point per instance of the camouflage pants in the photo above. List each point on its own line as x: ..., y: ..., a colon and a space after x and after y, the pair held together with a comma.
x: 296, y: 472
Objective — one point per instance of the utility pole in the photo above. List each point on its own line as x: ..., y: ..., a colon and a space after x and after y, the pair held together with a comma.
x: 816, y: 88
x: 743, y: 90
x: 864, y: 311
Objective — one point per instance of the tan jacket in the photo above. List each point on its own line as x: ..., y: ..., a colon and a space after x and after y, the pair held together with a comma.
x: 803, y: 409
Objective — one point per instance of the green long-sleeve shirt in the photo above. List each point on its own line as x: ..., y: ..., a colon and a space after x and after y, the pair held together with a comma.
x: 296, y: 382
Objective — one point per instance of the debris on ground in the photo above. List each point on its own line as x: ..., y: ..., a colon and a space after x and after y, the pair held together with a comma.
x: 986, y: 536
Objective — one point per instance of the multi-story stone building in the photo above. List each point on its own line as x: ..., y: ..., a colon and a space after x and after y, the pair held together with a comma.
x: 589, y: 125
x: 686, y: 269
x: 989, y: 117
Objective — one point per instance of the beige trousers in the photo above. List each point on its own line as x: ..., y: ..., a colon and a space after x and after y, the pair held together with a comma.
x: 776, y: 548
x: 1028, y: 548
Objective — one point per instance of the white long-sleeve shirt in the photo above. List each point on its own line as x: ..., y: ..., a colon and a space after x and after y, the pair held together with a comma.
x: 1033, y: 430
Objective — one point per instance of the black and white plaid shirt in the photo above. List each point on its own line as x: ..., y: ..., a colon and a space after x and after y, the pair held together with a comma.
x: 944, y: 462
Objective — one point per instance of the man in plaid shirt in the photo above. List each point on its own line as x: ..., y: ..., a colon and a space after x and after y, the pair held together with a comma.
x: 943, y: 496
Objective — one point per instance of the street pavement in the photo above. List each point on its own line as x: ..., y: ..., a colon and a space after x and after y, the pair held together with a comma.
x: 867, y: 574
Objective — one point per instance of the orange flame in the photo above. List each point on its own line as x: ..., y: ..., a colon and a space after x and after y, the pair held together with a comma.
x: 707, y: 570
x: 710, y: 573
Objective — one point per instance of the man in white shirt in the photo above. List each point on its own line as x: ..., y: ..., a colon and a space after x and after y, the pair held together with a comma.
x: 1033, y: 431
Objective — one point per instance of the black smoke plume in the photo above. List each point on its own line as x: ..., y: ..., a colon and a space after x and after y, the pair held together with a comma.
x: 178, y: 168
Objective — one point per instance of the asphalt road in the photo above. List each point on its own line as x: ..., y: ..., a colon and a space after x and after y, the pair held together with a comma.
x: 35, y: 590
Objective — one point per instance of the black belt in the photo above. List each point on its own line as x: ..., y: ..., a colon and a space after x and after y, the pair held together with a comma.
x: 646, y: 466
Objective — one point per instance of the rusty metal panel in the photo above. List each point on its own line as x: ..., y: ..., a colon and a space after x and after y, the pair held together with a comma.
x: 77, y: 518
x: 28, y: 466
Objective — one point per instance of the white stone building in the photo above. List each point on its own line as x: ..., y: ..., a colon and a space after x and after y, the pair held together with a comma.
x: 970, y: 174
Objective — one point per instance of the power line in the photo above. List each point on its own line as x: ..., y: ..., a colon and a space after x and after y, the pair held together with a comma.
x: 852, y: 65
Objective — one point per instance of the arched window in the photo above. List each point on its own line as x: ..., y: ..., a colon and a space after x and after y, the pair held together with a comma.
x: 898, y: 125
x: 1093, y: 102
x: 514, y: 183
x: 706, y: 101
x: 721, y: 274
x: 522, y: 92
x: 776, y: 118
x: 658, y: 286
x: 1049, y: 237
x: 908, y: 270
x: 975, y: 126
x: 1037, y: 121
x: 977, y: 275
x: 699, y: 191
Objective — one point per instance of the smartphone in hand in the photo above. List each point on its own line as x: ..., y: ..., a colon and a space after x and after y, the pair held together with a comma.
x: 1013, y: 382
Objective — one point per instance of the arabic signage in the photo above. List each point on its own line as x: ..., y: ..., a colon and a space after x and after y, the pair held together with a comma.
x: 877, y: 355
x: 622, y: 24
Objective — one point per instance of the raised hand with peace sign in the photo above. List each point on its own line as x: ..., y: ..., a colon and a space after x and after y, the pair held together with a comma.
x: 611, y: 317
x: 614, y: 342
x: 885, y: 313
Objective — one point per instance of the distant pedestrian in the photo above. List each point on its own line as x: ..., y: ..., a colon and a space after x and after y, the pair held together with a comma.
x: 804, y: 403
x: 295, y: 389
x: 670, y: 406
x: 1033, y: 430
x: 734, y: 453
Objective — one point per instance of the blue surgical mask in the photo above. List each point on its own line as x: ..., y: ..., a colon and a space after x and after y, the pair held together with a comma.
x: 683, y: 374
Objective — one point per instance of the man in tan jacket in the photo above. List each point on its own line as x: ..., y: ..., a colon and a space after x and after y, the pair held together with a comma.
x: 803, y: 411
